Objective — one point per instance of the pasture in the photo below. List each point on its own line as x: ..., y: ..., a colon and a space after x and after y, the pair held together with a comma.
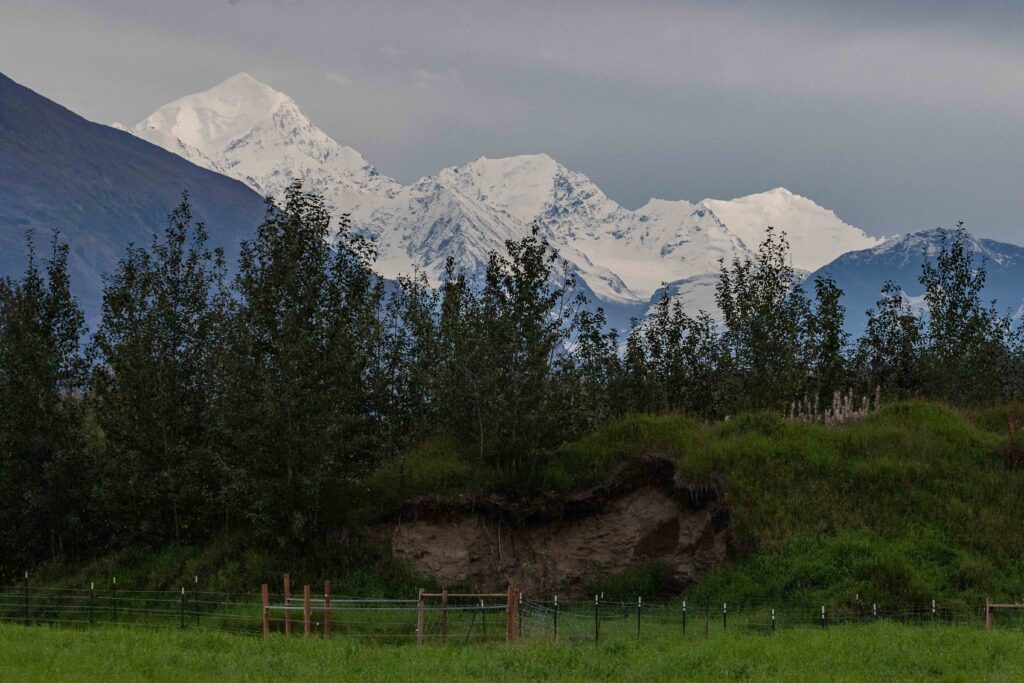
x: 879, y: 651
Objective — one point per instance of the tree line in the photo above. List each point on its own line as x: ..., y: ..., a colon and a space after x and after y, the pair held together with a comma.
x: 258, y: 402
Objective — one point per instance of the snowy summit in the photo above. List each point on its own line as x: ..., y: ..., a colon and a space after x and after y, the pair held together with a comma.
x: 249, y: 131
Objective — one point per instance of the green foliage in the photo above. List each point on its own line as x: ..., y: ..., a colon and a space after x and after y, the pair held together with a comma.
x: 153, y: 386
x: 675, y: 362
x: 968, y: 346
x: 355, y: 565
x: 296, y: 410
x: 305, y: 397
x: 649, y: 580
x: 855, y: 568
x: 439, y: 466
x: 888, y: 356
x: 42, y: 492
x: 766, y: 333
x: 913, y: 502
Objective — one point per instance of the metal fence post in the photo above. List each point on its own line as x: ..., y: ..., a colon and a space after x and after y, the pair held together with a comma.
x: 725, y: 615
x: 444, y: 615
x: 287, y: 605
x: 773, y: 620
x: 307, y: 612
x: 419, y: 619
x: 519, y: 614
x: 183, y: 607
x: 26, y: 599
x: 113, y: 590
x: 327, y: 609
x: 556, y: 618
x: 92, y: 600
x: 684, y: 617
x: 510, y: 612
x: 265, y: 594
x: 823, y: 616
x: 638, y: 603
x: 597, y: 621
x: 195, y: 599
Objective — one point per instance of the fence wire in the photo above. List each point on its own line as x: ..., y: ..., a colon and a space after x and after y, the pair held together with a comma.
x: 463, y: 620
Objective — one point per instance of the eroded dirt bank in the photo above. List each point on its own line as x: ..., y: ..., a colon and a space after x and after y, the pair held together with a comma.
x: 644, y: 512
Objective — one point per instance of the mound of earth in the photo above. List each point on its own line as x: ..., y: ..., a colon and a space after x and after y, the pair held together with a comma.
x: 643, y: 513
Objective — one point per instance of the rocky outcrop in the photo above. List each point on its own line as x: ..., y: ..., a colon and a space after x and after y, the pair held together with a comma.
x: 644, y: 512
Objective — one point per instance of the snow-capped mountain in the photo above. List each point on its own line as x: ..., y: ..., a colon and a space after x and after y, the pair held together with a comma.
x: 816, y: 235
x: 253, y: 133
x: 861, y: 274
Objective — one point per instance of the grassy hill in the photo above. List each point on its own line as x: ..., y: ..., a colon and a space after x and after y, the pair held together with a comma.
x: 914, y: 502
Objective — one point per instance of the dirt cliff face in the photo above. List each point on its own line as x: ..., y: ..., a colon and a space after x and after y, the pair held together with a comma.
x: 557, y: 543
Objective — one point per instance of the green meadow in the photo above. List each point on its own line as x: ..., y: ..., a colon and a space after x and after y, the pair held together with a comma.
x: 849, y: 653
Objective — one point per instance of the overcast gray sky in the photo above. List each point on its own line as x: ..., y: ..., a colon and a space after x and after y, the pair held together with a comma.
x: 897, y: 118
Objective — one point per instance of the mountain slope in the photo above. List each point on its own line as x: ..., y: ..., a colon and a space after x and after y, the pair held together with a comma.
x: 861, y: 274
x: 101, y: 189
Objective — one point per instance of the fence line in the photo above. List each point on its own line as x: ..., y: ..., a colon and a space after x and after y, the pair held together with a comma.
x: 462, y: 618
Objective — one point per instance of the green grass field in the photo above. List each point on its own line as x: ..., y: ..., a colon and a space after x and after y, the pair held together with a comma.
x: 875, y: 652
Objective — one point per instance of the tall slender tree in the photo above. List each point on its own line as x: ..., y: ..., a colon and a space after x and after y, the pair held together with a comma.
x: 42, y: 373
x: 765, y: 314
x: 157, y: 347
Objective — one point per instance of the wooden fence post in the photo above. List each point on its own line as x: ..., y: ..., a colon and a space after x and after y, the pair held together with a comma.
x: 307, y: 612
x: 266, y: 611
x: 327, y: 609
x: 287, y: 605
x: 444, y: 616
x: 988, y: 614
x: 419, y: 619
x: 511, y: 614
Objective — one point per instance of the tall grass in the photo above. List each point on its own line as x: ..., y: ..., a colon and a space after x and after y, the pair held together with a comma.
x: 911, y: 503
x: 876, y: 652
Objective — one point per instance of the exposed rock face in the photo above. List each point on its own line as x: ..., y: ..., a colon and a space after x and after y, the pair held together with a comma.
x: 643, y: 513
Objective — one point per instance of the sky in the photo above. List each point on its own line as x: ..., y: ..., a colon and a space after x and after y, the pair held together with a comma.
x: 897, y: 116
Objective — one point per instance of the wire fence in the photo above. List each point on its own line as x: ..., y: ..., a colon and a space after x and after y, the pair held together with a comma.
x: 461, y: 619
x: 601, y: 620
x: 114, y: 605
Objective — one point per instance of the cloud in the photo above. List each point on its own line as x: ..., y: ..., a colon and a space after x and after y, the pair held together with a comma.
x: 426, y: 79
x: 897, y: 115
x: 338, y: 78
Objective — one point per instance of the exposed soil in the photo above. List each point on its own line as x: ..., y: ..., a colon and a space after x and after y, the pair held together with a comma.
x: 643, y: 513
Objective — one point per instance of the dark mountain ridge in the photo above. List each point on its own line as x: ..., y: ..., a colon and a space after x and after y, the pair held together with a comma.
x: 100, y: 189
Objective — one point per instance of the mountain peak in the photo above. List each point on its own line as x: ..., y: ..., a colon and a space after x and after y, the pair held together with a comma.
x: 244, y: 81
x: 243, y: 77
x: 816, y: 235
x: 522, y: 185
x: 248, y: 130
x: 212, y: 119
x: 520, y: 164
